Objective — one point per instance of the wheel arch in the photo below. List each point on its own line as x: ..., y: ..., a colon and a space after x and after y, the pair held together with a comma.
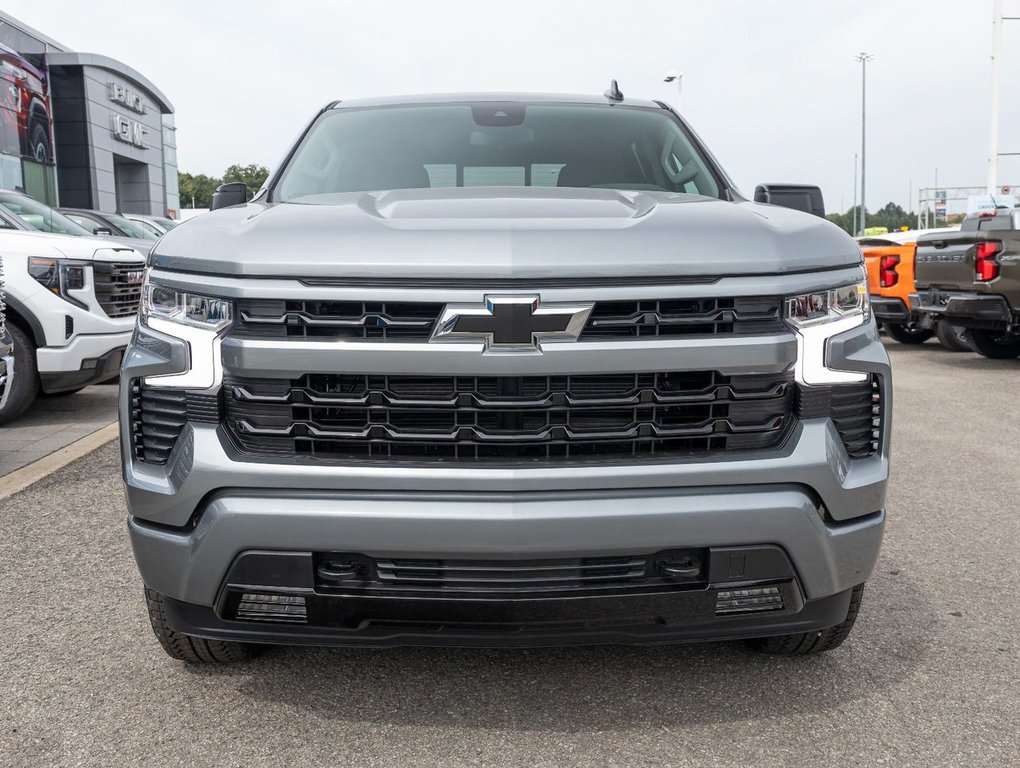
x: 19, y: 315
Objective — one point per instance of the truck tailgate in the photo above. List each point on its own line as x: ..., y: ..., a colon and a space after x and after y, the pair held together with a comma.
x: 947, y: 262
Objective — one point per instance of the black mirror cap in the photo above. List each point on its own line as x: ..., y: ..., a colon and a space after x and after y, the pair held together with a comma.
x: 800, y: 197
x: 226, y: 195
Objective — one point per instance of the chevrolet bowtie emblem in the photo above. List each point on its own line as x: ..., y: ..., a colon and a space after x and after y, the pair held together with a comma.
x: 520, y: 322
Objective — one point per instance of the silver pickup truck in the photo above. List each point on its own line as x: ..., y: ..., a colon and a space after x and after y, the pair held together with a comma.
x: 503, y: 370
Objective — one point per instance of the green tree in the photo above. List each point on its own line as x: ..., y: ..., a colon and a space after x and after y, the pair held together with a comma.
x: 196, y: 190
x: 252, y: 175
x: 890, y: 216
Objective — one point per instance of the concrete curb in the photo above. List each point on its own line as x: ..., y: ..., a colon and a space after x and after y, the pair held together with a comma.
x: 20, y: 479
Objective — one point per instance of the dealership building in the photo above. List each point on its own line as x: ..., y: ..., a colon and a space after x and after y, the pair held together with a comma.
x: 83, y: 130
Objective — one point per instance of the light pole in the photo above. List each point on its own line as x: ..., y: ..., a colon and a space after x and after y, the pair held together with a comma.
x: 669, y: 77
x: 993, y: 131
x: 864, y: 58
x: 855, y: 195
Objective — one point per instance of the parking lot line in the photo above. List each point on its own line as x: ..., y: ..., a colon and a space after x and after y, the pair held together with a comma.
x: 20, y: 479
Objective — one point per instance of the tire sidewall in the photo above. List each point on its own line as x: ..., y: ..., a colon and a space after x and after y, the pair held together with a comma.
x: 989, y: 344
x: 25, y: 383
x: 907, y: 335
x: 952, y: 337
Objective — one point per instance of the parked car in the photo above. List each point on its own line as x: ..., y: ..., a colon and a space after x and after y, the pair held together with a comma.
x: 19, y: 211
x: 6, y: 365
x: 71, y: 306
x: 504, y: 370
x: 157, y: 225
x: 889, y: 258
x: 971, y: 278
x: 101, y: 223
x: 6, y: 348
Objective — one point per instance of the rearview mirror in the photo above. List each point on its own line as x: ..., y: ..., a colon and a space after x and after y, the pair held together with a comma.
x: 226, y: 195
x: 800, y: 197
x: 102, y: 231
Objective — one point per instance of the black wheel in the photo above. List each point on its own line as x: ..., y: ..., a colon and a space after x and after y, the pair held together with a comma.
x: 39, y: 142
x: 25, y: 382
x: 952, y: 337
x: 804, y: 643
x: 909, y: 333
x: 194, y: 650
x: 997, y: 345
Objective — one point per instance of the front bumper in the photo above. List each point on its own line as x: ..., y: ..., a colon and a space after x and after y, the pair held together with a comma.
x: 200, y: 568
x: 87, y: 359
x: 890, y: 310
x: 92, y: 370
x: 969, y: 310
x: 194, y: 517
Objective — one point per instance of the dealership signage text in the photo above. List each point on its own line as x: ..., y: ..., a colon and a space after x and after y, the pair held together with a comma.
x: 130, y: 99
x: 129, y: 131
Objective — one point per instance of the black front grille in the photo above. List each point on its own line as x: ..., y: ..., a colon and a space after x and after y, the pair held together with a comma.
x: 856, y: 411
x: 360, y: 574
x: 158, y: 417
x: 118, y: 287
x: 405, y: 321
x: 684, y: 317
x: 397, y: 321
x: 508, y: 417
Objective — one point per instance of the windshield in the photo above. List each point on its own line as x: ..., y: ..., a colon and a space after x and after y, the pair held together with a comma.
x: 149, y: 227
x: 39, y: 216
x: 496, y: 144
x: 128, y: 227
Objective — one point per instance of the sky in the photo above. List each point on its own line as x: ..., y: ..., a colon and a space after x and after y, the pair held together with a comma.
x: 771, y: 85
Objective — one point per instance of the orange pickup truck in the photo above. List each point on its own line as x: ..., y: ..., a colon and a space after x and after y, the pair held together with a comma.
x: 889, y: 259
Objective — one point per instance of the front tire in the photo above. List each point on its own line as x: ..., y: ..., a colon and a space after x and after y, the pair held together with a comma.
x: 25, y: 382
x: 996, y: 345
x: 806, y: 643
x: 908, y: 333
x: 194, y: 650
x: 952, y: 337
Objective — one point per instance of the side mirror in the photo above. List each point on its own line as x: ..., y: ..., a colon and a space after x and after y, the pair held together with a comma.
x: 226, y: 195
x: 797, y: 196
x: 102, y: 231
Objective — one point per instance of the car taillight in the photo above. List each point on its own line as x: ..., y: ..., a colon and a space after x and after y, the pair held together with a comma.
x: 887, y: 274
x: 986, y: 263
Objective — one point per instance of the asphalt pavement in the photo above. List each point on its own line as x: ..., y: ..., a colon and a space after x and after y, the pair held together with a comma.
x: 54, y: 422
x: 930, y: 676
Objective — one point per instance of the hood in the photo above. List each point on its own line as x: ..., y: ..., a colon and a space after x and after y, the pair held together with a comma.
x: 518, y: 233
x: 65, y: 246
x: 144, y: 247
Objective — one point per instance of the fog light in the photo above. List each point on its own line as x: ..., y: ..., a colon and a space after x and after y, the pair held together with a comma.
x: 262, y: 606
x: 748, y: 600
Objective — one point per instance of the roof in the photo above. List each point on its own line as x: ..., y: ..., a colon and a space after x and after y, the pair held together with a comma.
x: 70, y: 59
x: 21, y: 26
x: 531, y: 98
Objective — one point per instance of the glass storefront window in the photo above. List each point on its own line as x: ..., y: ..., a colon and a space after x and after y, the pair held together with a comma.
x: 10, y: 172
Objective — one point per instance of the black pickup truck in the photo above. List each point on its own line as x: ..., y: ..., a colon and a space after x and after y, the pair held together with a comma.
x: 971, y: 278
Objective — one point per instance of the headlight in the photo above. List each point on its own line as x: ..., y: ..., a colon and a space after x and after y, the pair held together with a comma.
x: 827, y: 306
x: 166, y: 303
x: 817, y: 317
x: 59, y: 276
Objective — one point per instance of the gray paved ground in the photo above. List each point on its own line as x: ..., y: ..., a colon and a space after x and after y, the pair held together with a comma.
x: 54, y: 422
x: 929, y: 678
